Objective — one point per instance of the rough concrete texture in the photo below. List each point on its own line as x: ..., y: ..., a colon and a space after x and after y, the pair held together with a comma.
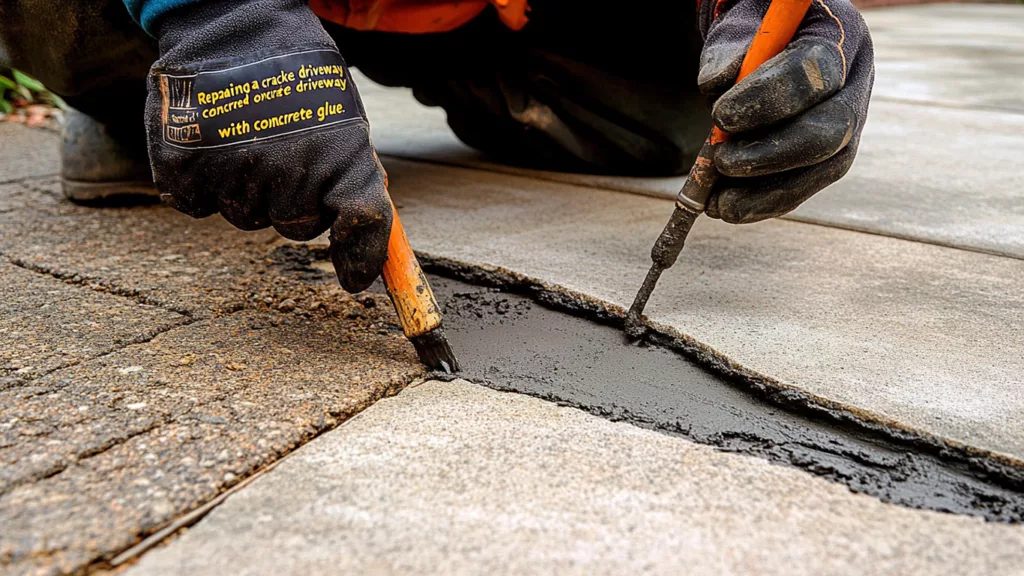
x: 926, y: 336
x: 34, y: 155
x: 112, y: 449
x: 149, y: 253
x: 149, y: 361
x: 925, y: 170
x: 43, y: 333
x: 455, y: 478
x: 41, y: 193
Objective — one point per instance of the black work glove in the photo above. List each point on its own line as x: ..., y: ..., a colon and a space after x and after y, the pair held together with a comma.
x: 252, y: 113
x: 794, y: 124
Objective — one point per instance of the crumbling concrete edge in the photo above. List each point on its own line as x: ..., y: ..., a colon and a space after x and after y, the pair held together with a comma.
x: 161, y: 535
x: 1000, y: 468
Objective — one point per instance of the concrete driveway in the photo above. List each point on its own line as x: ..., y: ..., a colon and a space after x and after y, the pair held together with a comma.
x: 165, y: 380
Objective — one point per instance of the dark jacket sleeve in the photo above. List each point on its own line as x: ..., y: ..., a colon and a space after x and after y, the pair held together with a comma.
x: 149, y: 12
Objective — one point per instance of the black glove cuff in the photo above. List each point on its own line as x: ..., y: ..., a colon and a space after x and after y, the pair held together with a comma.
x: 215, y: 31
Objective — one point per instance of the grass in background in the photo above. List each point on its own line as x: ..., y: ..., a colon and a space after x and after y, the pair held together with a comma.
x: 21, y: 94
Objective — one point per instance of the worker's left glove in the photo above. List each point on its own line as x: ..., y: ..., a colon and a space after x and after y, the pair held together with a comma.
x: 795, y: 122
x: 252, y: 113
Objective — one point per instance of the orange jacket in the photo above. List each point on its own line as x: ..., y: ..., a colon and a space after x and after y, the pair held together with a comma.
x: 416, y: 16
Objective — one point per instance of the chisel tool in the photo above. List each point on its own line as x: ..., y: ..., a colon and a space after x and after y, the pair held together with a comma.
x: 777, y: 28
x: 414, y: 301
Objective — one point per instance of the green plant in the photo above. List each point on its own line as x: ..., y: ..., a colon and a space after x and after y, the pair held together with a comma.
x: 18, y: 89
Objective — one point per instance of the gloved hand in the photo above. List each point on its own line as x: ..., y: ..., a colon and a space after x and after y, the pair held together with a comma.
x: 795, y: 123
x: 252, y: 113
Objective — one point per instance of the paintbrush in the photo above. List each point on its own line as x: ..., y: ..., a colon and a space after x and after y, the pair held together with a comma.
x: 777, y: 28
x: 415, y: 303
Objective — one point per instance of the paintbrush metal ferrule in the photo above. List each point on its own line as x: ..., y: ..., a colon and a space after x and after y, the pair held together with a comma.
x: 435, y: 352
x: 415, y: 303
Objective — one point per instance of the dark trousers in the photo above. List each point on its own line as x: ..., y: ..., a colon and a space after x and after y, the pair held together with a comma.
x: 580, y: 88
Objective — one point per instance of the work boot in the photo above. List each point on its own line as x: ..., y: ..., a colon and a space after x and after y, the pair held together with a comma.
x: 102, y: 163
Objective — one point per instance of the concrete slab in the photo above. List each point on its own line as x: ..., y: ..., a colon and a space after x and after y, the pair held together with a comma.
x: 941, y: 175
x: 112, y: 449
x: 924, y: 336
x: 962, y: 55
x: 152, y: 361
x: 925, y: 170
x: 35, y: 154
x: 150, y: 253
x: 459, y: 479
x: 931, y: 174
x: 46, y: 324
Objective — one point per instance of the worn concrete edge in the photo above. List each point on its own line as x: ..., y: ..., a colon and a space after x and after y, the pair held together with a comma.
x: 191, y: 317
x: 1003, y: 469
x: 165, y: 534
x: 145, y: 541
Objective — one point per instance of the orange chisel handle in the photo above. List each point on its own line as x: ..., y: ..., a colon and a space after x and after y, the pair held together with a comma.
x: 407, y: 285
x: 777, y: 29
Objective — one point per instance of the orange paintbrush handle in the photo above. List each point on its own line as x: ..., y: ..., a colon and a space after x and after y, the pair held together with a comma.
x: 777, y: 29
x: 407, y: 285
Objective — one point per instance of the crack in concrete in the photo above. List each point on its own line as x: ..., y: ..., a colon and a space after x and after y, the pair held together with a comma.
x: 570, y: 350
x: 113, y: 442
x: 170, y: 529
x: 97, y: 285
x: 75, y: 279
x: 118, y: 346
x: 149, y: 538
x: 85, y: 455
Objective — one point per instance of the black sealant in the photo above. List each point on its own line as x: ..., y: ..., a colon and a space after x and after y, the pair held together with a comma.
x: 514, y: 335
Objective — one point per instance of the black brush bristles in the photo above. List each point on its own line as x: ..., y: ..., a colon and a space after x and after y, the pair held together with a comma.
x: 435, y: 351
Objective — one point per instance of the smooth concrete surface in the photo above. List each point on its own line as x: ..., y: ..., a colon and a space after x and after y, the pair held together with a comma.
x: 943, y: 175
x: 961, y: 55
x: 926, y: 336
x: 455, y: 478
x: 941, y: 155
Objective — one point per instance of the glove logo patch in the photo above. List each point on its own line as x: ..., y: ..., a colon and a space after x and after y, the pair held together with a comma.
x: 272, y: 97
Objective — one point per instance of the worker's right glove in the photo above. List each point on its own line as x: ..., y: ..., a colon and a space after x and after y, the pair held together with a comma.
x: 795, y: 122
x: 252, y: 113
